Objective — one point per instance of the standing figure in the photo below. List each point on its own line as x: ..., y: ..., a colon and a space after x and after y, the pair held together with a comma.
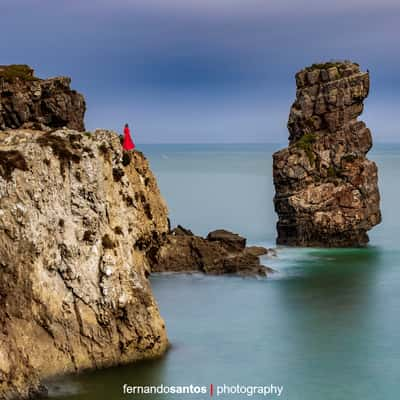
x: 128, y: 142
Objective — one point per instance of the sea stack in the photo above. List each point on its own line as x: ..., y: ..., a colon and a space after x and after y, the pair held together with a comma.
x: 326, y: 189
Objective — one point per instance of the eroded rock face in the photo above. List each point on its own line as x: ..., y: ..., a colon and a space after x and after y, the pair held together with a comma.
x: 76, y: 220
x: 326, y: 189
x: 30, y: 102
x: 222, y: 252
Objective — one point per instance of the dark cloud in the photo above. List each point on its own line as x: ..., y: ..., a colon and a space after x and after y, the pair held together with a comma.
x: 202, y: 71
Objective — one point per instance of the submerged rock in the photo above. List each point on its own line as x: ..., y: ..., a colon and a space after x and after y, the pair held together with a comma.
x: 326, y: 189
x: 75, y: 225
x: 222, y: 252
x: 29, y: 102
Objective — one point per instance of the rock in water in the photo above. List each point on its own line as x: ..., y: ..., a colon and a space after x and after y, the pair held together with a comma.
x: 222, y: 252
x: 326, y: 189
x: 76, y: 220
x: 29, y: 102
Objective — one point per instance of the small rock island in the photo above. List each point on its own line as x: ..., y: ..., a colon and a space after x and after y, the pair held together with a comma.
x: 221, y: 252
x: 326, y: 189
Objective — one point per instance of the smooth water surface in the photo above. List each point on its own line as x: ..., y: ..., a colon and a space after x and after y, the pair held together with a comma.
x: 325, y: 326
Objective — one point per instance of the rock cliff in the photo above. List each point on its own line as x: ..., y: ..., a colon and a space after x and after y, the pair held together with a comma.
x: 29, y: 102
x: 326, y: 189
x: 76, y: 220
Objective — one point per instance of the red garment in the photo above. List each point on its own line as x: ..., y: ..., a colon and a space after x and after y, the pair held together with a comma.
x: 128, y: 143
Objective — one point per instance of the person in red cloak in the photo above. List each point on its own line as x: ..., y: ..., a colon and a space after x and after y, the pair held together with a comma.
x: 128, y: 142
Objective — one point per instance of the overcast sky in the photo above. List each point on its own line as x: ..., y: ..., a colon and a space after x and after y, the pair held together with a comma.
x: 204, y: 70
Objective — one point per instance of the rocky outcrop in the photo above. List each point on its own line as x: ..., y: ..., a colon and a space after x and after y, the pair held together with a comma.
x: 222, y: 252
x: 77, y: 218
x: 29, y: 102
x: 326, y: 189
x: 231, y: 241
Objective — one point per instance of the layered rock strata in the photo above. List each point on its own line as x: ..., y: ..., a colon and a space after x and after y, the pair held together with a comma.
x: 326, y: 189
x: 76, y: 220
x: 29, y: 102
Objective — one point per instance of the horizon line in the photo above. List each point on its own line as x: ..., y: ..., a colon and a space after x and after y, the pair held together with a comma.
x: 243, y: 143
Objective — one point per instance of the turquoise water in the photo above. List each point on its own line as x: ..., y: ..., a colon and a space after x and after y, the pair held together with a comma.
x: 325, y: 326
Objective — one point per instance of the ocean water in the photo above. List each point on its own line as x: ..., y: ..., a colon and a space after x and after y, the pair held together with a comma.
x: 325, y: 326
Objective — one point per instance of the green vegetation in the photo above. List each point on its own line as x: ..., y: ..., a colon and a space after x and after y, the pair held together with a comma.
x: 313, y: 122
x: 323, y: 66
x: 334, y: 172
x: 334, y: 63
x: 306, y: 143
x: 340, y: 65
x: 17, y: 71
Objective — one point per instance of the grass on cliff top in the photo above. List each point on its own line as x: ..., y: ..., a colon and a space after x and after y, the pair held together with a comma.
x: 17, y: 71
x: 306, y: 143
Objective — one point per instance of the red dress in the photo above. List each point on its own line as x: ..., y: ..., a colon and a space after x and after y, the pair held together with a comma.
x: 128, y: 143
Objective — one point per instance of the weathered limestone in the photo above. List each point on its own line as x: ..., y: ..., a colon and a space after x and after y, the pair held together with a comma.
x: 326, y: 189
x: 76, y: 220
